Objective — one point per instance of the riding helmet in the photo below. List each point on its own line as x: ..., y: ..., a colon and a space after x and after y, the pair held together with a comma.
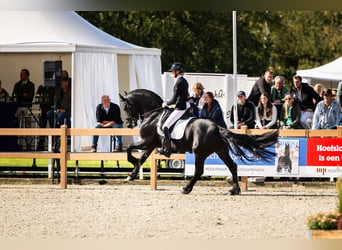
x: 177, y: 66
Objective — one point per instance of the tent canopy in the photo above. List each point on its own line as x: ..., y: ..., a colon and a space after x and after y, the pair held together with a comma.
x: 98, y: 62
x: 39, y: 31
x: 331, y: 72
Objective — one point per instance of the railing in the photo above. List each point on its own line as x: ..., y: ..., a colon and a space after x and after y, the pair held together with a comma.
x: 64, y: 155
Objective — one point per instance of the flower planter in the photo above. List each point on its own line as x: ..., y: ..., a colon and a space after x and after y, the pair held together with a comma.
x: 325, y: 234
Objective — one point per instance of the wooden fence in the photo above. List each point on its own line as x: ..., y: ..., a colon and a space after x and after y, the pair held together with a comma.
x: 64, y: 155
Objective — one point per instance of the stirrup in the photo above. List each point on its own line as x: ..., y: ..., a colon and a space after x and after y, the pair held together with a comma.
x: 165, y: 152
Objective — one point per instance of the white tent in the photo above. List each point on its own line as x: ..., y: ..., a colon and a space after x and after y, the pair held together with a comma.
x: 97, y: 62
x: 328, y: 74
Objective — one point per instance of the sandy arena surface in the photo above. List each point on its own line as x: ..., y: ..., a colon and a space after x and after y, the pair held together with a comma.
x: 41, y: 211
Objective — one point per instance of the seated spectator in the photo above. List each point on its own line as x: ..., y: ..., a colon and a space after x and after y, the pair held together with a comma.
x: 290, y: 114
x: 266, y: 113
x: 319, y: 88
x: 339, y: 98
x: 212, y: 109
x: 198, y: 98
x: 4, y: 97
x: 108, y: 116
x: 327, y: 112
x: 305, y: 96
x: 278, y: 90
x: 245, y: 112
x: 63, y: 106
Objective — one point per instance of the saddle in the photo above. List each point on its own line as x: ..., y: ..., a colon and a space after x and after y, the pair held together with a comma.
x: 178, y: 128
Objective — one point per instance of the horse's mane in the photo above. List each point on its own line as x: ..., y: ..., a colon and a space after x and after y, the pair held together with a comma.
x: 144, y: 100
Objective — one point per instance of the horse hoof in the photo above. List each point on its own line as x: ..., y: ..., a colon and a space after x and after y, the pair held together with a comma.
x: 186, y: 190
x: 129, y: 178
x: 235, y: 191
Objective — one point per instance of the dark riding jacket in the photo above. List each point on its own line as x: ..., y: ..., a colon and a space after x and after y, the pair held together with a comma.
x: 180, y: 94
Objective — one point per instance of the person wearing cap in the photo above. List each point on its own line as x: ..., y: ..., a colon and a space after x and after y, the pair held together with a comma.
x: 245, y: 112
x: 180, y: 99
x: 304, y: 96
x: 262, y: 85
x: 327, y: 112
x: 198, y: 98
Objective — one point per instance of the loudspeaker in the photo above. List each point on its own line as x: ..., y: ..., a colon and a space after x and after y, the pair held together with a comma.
x: 52, y: 73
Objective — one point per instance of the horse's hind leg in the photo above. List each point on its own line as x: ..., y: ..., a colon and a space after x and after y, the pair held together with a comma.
x: 224, y: 155
x: 199, y: 164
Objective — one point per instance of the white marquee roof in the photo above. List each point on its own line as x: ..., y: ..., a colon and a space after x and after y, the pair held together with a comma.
x: 331, y: 71
x: 58, y: 31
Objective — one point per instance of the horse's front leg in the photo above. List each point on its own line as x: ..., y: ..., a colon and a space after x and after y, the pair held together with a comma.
x: 135, y: 161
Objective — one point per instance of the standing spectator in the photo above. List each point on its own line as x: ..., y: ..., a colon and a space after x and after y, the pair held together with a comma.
x: 23, y: 93
x: 290, y: 114
x: 327, y: 112
x: 262, y: 85
x: 266, y: 113
x: 198, y: 98
x: 278, y: 91
x: 304, y: 95
x: 108, y: 116
x: 212, y: 109
x: 245, y: 112
x: 3, y: 94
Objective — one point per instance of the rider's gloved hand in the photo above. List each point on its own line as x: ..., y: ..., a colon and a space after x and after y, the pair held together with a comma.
x: 164, y: 104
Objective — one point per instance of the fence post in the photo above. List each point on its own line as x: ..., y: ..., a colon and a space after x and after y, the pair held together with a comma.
x: 244, y: 179
x: 63, y: 156
x: 153, y: 171
x: 339, y: 131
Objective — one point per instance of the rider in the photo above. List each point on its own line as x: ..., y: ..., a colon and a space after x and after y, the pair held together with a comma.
x: 180, y: 99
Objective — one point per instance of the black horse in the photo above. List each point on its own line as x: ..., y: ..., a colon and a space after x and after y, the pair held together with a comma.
x: 202, y: 137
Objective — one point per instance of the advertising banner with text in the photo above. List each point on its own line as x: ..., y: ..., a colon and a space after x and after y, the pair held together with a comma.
x: 295, y: 157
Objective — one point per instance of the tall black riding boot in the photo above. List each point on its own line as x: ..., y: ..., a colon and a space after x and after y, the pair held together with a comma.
x: 166, y: 150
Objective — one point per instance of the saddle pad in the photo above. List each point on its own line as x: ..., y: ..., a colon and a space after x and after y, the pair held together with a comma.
x: 178, y: 130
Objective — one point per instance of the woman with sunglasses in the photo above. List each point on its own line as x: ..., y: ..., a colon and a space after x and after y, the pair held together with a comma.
x: 290, y: 114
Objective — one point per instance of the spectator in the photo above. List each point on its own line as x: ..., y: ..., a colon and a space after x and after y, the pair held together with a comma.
x: 108, y: 115
x: 290, y: 114
x: 245, y: 112
x: 327, y: 112
x: 3, y: 94
x: 278, y: 91
x: 198, y: 98
x: 63, y: 103
x: 212, y: 109
x: 334, y: 93
x: 339, y: 98
x: 23, y: 93
x: 319, y: 88
x: 262, y: 85
x: 45, y: 97
x: 304, y: 95
x: 266, y: 113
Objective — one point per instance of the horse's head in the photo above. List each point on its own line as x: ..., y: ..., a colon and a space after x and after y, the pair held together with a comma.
x: 132, y: 113
x: 137, y: 102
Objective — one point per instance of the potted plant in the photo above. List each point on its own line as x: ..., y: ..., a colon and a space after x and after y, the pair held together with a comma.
x: 327, y: 225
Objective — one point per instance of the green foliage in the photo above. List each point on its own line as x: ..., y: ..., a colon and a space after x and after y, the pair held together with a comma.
x: 323, y: 221
x: 282, y: 41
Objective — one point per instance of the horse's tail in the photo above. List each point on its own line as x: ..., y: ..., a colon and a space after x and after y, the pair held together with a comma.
x: 243, y: 144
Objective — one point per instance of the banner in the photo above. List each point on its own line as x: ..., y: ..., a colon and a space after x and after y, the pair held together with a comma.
x: 295, y: 157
